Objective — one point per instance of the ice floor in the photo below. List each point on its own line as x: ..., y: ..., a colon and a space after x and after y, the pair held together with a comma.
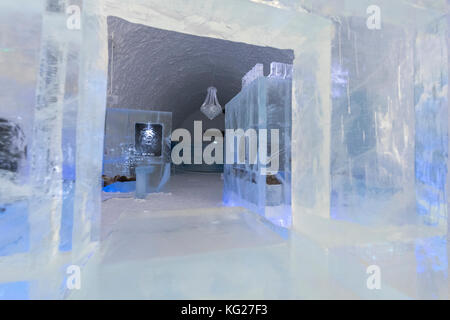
x: 185, y: 245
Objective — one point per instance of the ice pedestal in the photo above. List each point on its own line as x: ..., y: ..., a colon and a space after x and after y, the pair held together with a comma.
x: 265, y: 103
x: 152, y: 178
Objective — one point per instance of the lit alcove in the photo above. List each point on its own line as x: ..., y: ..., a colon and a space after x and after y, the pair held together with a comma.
x: 158, y: 78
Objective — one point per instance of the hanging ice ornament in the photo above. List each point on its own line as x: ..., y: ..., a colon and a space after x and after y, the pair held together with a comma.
x: 211, y: 107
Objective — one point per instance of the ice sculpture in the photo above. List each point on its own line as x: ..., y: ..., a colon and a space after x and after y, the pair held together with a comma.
x: 136, y: 138
x: 265, y: 103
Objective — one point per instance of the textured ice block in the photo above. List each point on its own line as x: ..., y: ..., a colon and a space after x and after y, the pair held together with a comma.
x: 264, y: 103
x: 373, y: 124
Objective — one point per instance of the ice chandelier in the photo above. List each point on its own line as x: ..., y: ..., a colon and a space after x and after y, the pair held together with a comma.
x: 211, y: 107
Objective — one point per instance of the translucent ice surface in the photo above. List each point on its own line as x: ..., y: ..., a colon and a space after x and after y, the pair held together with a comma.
x: 389, y: 123
x: 264, y: 103
x: 44, y: 224
x: 372, y: 141
x: 431, y: 124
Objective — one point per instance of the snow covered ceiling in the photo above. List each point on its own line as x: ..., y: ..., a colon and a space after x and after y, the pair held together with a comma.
x: 154, y: 69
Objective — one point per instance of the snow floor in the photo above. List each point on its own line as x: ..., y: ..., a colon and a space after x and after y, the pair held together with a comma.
x: 183, y: 244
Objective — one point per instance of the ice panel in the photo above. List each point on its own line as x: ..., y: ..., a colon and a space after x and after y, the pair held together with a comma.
x: 372, y: 149
x: 387, y: 156
x: 14, y: 228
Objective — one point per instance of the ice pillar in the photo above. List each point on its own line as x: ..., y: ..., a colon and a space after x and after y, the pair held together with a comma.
x: 431, y: 106
x: 57, y: 100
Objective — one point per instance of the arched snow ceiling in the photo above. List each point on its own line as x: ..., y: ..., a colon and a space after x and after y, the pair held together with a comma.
x: 154, y: 69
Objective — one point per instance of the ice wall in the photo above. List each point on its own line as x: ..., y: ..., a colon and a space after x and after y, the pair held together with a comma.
x: 431, y: 107
x: 19, y: 62
x: 388, y: 151
x: 372, y: 125
x: 265, y: 103
x: 389, y: 145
